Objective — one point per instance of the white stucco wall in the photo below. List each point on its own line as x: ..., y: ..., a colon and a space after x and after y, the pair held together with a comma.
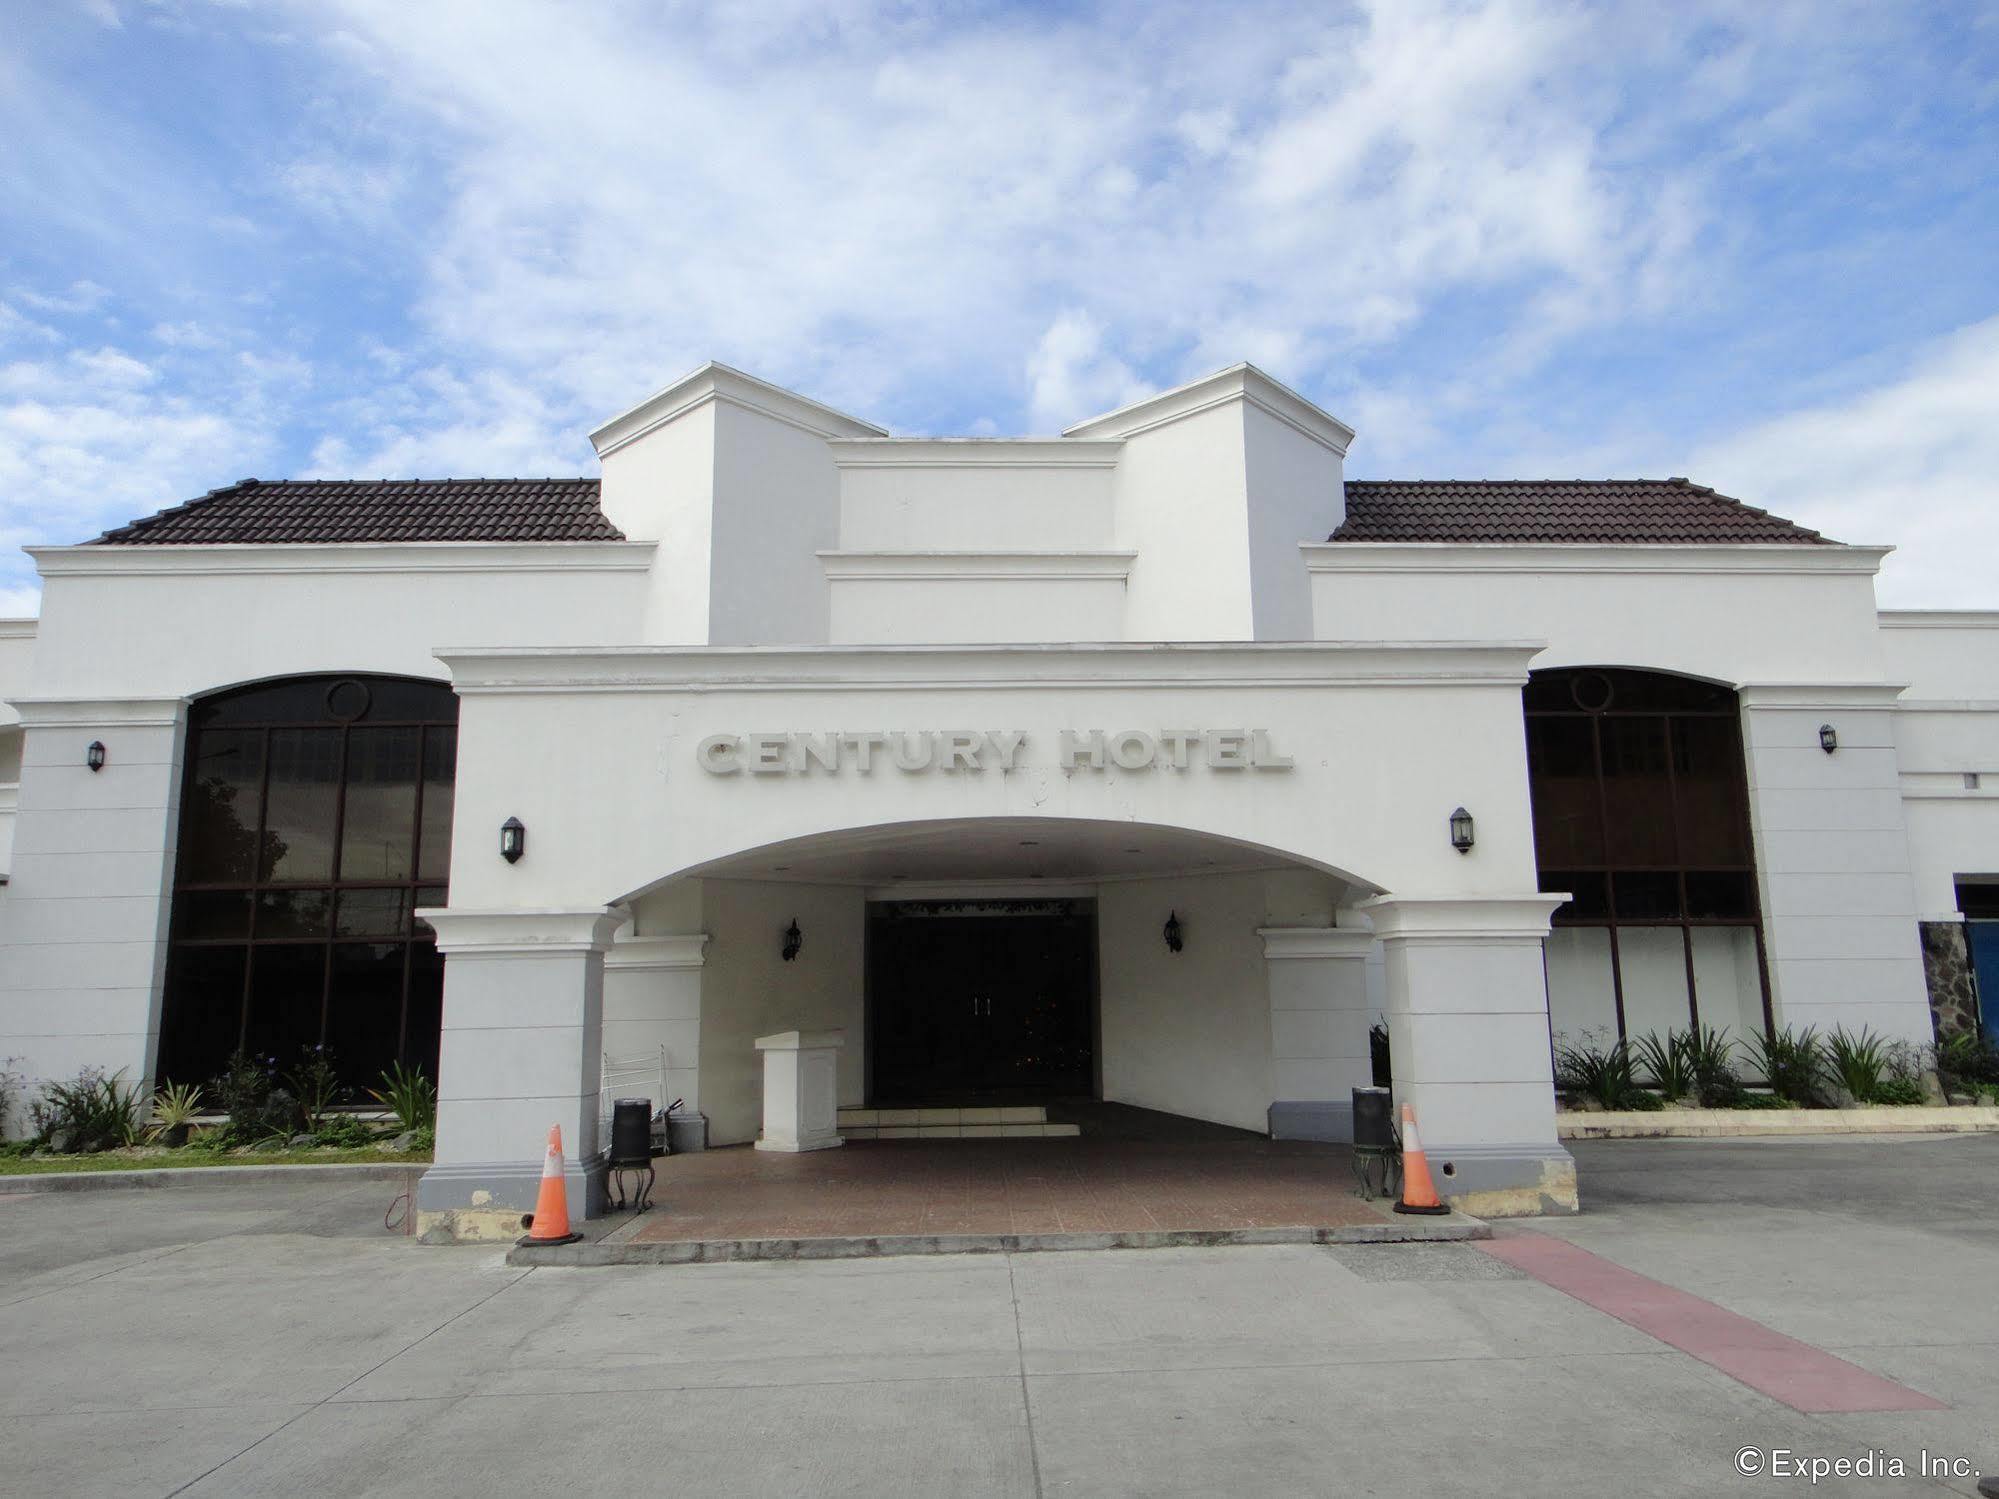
x: 748, y: 990
x: 777, y: 505
x: 1294, y: 493
x: 1734, y: 614
x: 1186, y: 1032
x: 1947, y: 729
x: 179, y: 621
x: 1385, y: 742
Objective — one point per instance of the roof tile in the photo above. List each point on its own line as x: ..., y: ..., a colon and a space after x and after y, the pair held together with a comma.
x: 306, y: 511
x: 1613, y: 511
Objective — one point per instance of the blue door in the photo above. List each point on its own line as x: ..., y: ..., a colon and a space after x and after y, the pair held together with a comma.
x: 1984, y: 936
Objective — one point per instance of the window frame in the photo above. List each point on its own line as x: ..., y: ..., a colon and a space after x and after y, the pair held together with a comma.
x: 1724, y: 708
x: 418, y: 889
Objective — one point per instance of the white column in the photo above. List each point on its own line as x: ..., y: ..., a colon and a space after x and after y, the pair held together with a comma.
x: 801, y: 1090
x: 83, y: 922
x: 1832, y: 856
x: 1317, y: 981
x: 1468, y: 1043
x: 521, y: 1049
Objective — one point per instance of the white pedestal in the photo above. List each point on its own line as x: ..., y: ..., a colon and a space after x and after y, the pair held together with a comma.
x: 801, y: 1089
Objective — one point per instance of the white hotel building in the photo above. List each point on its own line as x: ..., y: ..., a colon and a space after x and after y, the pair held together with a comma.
x: 961, y: 724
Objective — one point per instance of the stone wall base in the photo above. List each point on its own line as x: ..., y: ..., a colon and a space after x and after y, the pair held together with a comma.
x: 1504, y: 1181
x: 483, y: 1201
x: 1947, y: 970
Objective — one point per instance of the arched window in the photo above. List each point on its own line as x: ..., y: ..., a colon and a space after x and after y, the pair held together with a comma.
x: 1641, y: 812
x: 315, y: 819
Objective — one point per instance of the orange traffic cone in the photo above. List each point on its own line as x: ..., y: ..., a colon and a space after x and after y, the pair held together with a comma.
x: 1419, y: 1193
x: 549, y: 1223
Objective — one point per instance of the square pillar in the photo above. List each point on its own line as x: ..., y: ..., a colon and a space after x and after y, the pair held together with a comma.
x: 1317, y: 980
x: 1468, y: 1039
x: 801, y: 1090
x: 522, y: 1048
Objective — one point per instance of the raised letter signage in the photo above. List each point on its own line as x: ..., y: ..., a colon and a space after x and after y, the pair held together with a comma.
x: 957, y: 751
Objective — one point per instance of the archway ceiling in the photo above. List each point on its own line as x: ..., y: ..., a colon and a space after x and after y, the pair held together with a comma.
x: 997, y: 849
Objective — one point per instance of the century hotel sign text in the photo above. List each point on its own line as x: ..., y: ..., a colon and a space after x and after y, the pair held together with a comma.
x: 987, y: 749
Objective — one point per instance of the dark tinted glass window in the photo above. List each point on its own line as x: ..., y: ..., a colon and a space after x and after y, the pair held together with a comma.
x: 1641, y: 813
x: 311, y: 809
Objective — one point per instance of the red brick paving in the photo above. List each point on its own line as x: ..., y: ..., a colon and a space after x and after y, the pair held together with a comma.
x: 879, y: 1188
x: 1803, y: 1377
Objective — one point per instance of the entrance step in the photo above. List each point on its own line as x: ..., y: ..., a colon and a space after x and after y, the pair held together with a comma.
x: 1017, y: 1114
x: 959, y: 1131
x: 1021, y: 1122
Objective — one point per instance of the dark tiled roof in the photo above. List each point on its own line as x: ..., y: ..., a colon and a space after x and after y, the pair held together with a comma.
x: 337, y: 510
x: 1556, y: 510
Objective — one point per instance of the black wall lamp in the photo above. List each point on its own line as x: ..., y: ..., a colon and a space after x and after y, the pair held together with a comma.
x: 1174, y: 940
x: 793, y: 940
x: 1461, y: 831
x: 1828, y: 738
x: 513, y: 840
x: 94, y: 756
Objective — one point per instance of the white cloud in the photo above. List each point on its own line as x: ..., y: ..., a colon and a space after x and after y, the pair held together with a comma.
x: 533, y: 214
x: 1072, y: 376
x: 881, y: 202
x: 1913, y: 461
x: 90, y: 438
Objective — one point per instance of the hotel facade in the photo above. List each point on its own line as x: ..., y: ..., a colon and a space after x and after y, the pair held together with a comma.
x: 1152, y: 763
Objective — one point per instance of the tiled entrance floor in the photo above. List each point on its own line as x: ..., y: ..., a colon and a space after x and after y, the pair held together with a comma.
x: 999, y: 1186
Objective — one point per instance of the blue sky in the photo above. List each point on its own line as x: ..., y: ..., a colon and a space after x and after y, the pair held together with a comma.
x: 1749, y: 243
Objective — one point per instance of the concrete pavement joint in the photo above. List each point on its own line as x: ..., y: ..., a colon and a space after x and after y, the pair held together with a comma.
x: 328, y: 1399
x: 131, y: 1264
x: 1026, y: 1399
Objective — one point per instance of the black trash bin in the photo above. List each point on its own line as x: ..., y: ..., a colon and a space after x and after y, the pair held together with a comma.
x: 1373, y: 1119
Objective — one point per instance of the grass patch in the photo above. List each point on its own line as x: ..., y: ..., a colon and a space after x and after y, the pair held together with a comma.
x: 154, y: 1159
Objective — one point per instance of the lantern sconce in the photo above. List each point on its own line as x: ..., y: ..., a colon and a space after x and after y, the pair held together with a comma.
x: 1461, y: 831
x: 1174, y: 940
x: 513, y: 840
x: 1828, y: 738
x: 94, y: 756
x: 793, y: 940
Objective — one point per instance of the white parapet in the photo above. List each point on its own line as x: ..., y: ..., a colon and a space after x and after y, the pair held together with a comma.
x: 801, y: 1089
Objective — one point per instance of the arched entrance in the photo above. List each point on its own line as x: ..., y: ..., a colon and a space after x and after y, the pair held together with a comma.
x: 988, y: 960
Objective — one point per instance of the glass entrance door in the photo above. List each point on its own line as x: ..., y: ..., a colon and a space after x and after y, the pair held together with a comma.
x: 981, y: 1000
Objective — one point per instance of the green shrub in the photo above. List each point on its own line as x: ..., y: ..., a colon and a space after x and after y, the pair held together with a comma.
x: 1591, y: 1069
x: 409, y: 1095
x: 1858, y: 1061
x: 174, y: 1108
x: 1794, y: 1064
x: 1967, y: 1062
x: 313, y: 1082
x: 1899, y: 1090
x: 345, y: 1131
x: 90, y: 1113
x: 1669, y: 1060
x: 1711, y: 1068
x: 249, y: 1094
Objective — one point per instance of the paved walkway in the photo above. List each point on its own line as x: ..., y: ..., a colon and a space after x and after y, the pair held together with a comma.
x: 263, y: 1340
x: 1002, y: 1187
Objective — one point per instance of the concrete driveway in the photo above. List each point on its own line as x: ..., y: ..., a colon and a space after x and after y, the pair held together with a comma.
x: 274, y: 1341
